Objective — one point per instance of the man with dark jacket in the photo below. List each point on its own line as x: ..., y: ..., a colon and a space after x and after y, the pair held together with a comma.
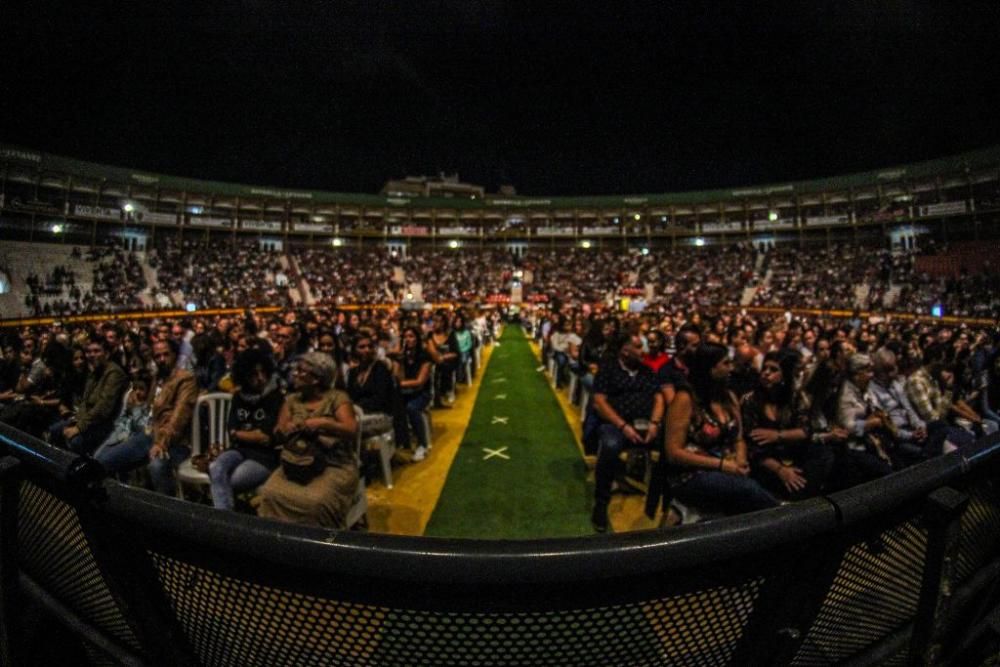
x: 101, y: 402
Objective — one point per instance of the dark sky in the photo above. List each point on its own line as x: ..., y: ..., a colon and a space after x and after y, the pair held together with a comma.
x: 555, y: 98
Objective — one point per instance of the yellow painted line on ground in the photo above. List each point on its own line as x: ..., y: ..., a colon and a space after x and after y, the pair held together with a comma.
x: 406, y: 508
x: 626, y: 512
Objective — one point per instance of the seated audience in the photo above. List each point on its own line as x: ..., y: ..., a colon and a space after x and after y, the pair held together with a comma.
x: 318, y: 475
x: 706, y: 452
x: 252, y: 455
x: 628, y: 403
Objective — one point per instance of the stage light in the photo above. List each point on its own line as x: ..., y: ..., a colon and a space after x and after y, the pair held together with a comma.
x: 129, y: 207
x: 637, y: 216
x: 337, y: 242
x: 699, y: 242
x: 585, y: 244
x: 452, y: 244
x: 57, y: 229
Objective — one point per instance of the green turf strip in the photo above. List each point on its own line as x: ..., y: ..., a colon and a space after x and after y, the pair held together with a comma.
x: 541, y: 490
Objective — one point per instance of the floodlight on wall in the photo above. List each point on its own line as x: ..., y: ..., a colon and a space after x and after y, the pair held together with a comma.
x: 453, y: 244
x: 645, y: 251
x: 637, y: 217
x: 57, y: 229
x: 585, y: 244
x: 699, y: 242
x: 195, y: 210
x: 337, y: 242
x: 772, y: 215
x: 129, y: 207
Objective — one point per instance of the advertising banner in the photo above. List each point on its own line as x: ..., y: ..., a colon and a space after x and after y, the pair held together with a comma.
x: 458, y: 231
x: 261, y: 225
x: 763, y: 225
x: 600, y: 231
x: 205, y: 221
x: 98, y: 212
x: 153, y: 218
x: 719, y: 227
x: 828, y: 220
x: 944, y: 208
x: 314, y: 227
x: 555, y: 231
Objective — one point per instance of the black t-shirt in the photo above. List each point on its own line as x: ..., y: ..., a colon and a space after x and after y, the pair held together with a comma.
x: 631, y: 394
x: 376, y: 394
x: 257, y: 413
x: 411, y: 368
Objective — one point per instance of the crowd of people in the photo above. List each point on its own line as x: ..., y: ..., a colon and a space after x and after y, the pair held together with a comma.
x: 742, y: 413
x: 240, y: 272
x: 302, y: 384
x: 117, y: 281
x: 746, y: 411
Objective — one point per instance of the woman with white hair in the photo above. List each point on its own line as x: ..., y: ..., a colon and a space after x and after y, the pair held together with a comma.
x: 318, y: 475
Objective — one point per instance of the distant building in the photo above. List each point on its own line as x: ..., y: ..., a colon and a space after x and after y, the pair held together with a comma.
x: 443, y: 185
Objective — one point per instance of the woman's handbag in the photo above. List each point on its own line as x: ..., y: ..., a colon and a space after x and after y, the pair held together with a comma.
x: 302, y: 457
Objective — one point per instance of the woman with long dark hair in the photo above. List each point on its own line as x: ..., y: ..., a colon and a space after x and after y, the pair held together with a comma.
x: 252, y: 454
x: 783, y: 456
x: 706, y: 453
x: 413, y: 373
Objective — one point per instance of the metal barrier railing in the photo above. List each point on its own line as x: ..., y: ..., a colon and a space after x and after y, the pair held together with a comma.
x: 901, y: 570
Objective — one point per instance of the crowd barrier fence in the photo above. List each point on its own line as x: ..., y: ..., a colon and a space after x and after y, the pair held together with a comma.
x: 904, y: 570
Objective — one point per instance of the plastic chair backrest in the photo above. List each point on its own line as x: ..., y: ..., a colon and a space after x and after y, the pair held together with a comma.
x: 218, y: 405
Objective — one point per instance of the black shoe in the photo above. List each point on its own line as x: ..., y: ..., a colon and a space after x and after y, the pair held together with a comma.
x: 600, y: 517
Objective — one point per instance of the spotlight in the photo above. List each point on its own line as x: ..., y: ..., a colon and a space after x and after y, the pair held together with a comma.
x: 699, y: 242
x: 337, y: 242
x: 453, y: 244
x: 645, y: 251
x: 57, y: 229
x: 129, y: 207
x: 585, y: 244
x: 637, y: 217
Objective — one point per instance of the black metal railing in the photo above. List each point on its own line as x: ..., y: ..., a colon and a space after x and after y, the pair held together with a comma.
x: 901, y: 570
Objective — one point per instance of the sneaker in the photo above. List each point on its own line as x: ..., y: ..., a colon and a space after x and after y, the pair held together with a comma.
x: 420, y: 454
x: 600, y: 517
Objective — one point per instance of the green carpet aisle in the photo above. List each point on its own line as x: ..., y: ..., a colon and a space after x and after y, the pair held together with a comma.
x: 518, y: 473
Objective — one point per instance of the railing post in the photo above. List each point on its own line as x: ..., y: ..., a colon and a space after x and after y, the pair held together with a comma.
x: 10, y: 645
x: 943, y: 513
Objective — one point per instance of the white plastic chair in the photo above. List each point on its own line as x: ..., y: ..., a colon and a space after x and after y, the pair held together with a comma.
x: 218, y: 405
x: 359, y: 503
x: 385, y: 443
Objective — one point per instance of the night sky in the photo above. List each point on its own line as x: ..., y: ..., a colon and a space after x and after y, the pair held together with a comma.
x: 554, y: 98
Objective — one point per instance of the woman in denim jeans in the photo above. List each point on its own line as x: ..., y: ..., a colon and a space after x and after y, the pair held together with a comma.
x: 414, y: 373
x: 252, y: 456
x: 706, y: 453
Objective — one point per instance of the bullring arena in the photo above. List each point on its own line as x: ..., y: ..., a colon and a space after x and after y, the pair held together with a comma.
x: 514, y: 338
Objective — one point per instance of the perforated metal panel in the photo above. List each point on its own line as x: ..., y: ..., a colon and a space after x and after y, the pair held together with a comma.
x: 54, y: 552
x: 980, y: 536
x: 876, y: 591
x: 232, y: 622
